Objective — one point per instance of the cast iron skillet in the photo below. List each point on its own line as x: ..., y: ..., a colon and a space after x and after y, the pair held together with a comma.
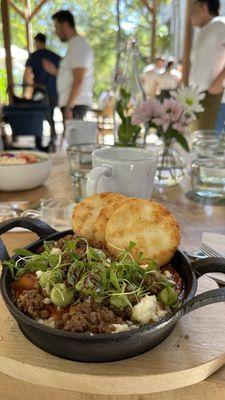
x: 105, y: 347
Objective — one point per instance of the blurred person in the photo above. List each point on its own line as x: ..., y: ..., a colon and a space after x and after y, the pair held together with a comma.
x: 170, y: 79
x: 75, y: 72
x: 34, y: 71
x: 208, y: 58
x: 149, y: 76
x: 35, y: 74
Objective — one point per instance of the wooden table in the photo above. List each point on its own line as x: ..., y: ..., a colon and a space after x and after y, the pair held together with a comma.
x: 194, y: 219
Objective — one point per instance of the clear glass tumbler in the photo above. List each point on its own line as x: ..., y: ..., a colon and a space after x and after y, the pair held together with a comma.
x: 56, y: 212
x: 208, y: 166
x: 80, y: 164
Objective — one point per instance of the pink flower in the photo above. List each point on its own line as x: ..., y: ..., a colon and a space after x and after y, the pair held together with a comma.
x: 174, y: 108
x: 163, y: 120
x: 178, y: 126
x: 144, y: 112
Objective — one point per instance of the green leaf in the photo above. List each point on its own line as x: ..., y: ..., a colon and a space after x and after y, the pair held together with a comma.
x: 96, y: 254
x: 53, y: 260
x: 38, y: 263
x: 70, y: 244
x: 11, y: 265
x: 127, y: 132
x: 125, y: 98
x: 152, y: 265
x: 74, y: 272
x: 23, y: 252
x: 120, y: 110
x: 113, y: 279
x: 180, y: 139
x: 49, y: 245
x: 131, y: 246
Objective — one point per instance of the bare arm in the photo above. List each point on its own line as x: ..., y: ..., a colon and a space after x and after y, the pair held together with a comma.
x: 78, y: 77
x: 28, y: 79
x: 217, y: 85
x: 49, y: 67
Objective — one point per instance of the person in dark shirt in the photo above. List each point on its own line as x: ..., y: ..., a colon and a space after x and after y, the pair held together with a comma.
x: 36, y: 74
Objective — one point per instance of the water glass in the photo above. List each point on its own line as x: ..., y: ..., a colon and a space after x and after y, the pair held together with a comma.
x: 56, y: 212
x: 80, y: 164
x: 208, y: 166
x: 204, y: 134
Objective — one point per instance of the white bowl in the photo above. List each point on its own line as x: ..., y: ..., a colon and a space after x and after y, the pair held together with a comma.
x: 25, y: 176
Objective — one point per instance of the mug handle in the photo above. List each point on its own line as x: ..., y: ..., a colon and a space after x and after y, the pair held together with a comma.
x: 95, y: 175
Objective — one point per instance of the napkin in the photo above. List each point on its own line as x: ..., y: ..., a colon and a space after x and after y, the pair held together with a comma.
x: 216, y: 242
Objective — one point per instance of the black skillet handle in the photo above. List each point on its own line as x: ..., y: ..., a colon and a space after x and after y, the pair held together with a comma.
x: 201, y: 267
x: 34, y: 225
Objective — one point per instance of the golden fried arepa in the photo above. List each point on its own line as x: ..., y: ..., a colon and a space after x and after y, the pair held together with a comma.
x: 103, y: 218
x: 147, y: 223
x: 86, y: 212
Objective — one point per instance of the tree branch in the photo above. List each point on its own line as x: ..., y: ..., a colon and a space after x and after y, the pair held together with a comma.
x: 149, y: 7
x: 18, y: 11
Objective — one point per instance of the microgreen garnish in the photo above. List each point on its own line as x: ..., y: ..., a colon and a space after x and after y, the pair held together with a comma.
x: 78, y: 271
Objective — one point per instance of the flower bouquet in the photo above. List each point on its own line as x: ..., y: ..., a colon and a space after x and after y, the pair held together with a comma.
x: 171, y: 118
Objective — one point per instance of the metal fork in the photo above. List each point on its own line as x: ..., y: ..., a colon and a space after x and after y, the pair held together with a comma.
x: 219, y: 277
x: 208, y: 251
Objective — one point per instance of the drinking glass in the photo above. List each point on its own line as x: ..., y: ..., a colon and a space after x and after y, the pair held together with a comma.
x: 208, y: 166
x: 56, y: 212
x: 80, y: 164
x: 204, y: 133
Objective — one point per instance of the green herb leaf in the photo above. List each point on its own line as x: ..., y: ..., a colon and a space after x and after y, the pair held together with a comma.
x: 53, y: 260
x: 96, y: 254
x: 48, y: 245
x: 23, y: 252
x: 74, y: 272
x: 70, y: 244
x: 114, y: 280
x: 11, y: 265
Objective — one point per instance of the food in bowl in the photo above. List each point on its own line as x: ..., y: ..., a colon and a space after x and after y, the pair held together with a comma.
x: 23, y: 170
x: 7, y: 158
x: 77, y: 284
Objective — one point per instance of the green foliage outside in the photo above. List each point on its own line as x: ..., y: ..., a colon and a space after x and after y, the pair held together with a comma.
x: 96, y: 20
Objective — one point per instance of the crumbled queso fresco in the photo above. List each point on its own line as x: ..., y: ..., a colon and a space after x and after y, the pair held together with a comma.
x: 148, y: 309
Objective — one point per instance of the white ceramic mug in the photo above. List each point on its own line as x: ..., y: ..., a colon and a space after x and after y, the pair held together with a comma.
x: 126, y: 170
x: 79, y: 132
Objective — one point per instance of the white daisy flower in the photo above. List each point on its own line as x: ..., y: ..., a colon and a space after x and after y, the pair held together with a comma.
x: 190, y: 99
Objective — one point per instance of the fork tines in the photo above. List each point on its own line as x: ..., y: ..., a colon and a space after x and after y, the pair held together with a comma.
x: 211, y: 252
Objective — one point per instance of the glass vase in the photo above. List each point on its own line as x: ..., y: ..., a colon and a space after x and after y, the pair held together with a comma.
x: 128, y: 93
x: 171, y: 166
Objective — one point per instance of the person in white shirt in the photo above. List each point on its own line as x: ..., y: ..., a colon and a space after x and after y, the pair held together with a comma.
x: 170, y: 79
x: 149, y: 77
x: 208, y: 58
x: 75, y: 73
